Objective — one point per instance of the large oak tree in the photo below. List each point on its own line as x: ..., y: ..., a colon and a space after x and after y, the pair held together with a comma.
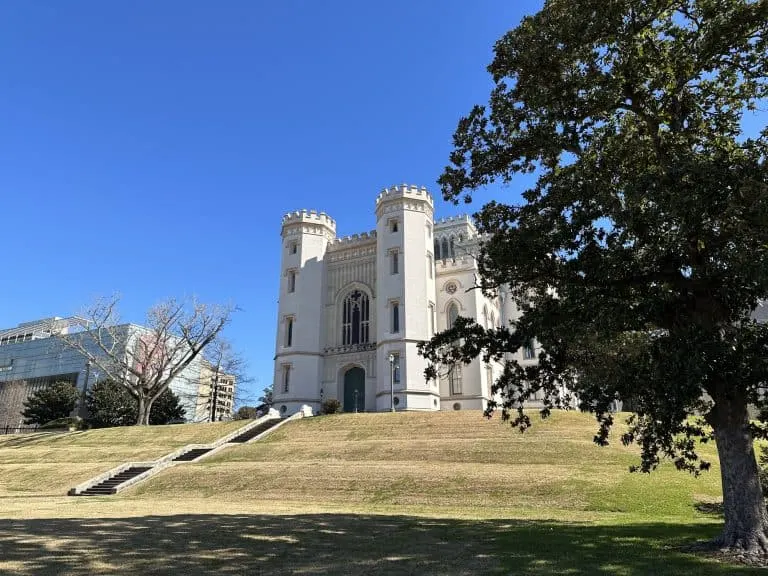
x: 640, y: 252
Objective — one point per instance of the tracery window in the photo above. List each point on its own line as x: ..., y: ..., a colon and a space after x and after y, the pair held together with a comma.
x: 529, y: 351
x: 454, y: 379
x: 444, y: 252
x: 355, y: 320
x: 454, y: 371
x: 453, y: 313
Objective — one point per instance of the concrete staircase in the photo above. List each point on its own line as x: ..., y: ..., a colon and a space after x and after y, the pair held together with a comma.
x: 130, y: 473
x: 249, y: 435
x: 193, y: 454
x: 109, y: 486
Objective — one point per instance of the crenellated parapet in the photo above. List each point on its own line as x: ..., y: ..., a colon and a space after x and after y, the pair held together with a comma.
x: 408, y: 196
x: 309, y: 222
x: 352, y: 241
x: 455, y: 221
x: 459, y: 263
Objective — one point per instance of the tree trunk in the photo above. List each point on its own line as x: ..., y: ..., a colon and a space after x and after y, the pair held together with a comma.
x: 145, y: 406
x: 746, y: 520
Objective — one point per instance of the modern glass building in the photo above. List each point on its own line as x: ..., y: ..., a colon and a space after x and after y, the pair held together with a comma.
x: 32, y: 357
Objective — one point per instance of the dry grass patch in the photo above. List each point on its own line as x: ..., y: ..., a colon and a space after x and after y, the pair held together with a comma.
x: 50, y: 463
x: 417, y: 461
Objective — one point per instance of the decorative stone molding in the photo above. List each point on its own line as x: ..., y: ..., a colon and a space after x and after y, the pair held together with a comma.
x: 352, y: 253
x: 351, y: 348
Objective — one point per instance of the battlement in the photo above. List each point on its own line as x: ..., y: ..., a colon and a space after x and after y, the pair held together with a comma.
x: 410, y: 191
x: 309, y: 216
x: 353, y: 240
x: 455, y: 220
x: 461, y: 262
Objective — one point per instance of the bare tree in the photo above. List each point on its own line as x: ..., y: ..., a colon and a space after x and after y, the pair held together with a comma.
x: 146, y: 359
x: 225, y: 363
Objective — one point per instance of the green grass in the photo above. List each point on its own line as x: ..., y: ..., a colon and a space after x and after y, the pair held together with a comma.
x: 407, y: 493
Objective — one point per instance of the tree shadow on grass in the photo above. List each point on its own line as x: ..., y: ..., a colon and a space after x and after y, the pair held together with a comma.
x: 346, y: 544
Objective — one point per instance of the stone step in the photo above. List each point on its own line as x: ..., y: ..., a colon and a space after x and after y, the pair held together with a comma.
x: 192, y: 454
x: 108, y: 486
x: 255, y: 431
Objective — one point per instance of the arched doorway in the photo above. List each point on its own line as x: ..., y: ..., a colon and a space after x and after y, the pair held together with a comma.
x: 354, y: 390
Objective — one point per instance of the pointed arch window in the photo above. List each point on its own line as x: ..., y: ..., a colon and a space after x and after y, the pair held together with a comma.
x: 355, y: 320
x: 437, y: 249
x: 453, y: 313
x: 454, y: 372
x: 444, y: 254
x: 454, y: 379
x: 529, y: 350
x: 453, y: 253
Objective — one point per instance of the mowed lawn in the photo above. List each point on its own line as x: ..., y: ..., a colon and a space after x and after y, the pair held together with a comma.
x: 406, y: 493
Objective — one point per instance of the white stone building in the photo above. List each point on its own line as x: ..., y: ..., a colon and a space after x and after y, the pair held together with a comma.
x: 347, y: 304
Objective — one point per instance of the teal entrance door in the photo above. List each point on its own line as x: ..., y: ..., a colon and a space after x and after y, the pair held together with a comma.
x: 354, y: 390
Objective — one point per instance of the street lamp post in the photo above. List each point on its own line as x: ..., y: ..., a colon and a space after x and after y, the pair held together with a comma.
x: 392, y: 382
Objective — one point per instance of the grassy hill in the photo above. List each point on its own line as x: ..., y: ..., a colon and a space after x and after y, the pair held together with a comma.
x: 369, y: 494
x: 448, y: 462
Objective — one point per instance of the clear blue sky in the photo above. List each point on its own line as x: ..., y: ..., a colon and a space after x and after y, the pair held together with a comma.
x: 151, y: 147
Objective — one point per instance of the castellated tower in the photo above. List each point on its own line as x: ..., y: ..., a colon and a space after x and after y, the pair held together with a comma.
x: 405, y: 281
x: 299, y: 347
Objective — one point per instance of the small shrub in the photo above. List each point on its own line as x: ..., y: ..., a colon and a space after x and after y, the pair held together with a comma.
x: 247, y: 413
x: 50, y: 403
x: 330, y: 406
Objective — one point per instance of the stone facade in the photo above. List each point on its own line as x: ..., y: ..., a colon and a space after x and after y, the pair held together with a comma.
x: 349, y: 304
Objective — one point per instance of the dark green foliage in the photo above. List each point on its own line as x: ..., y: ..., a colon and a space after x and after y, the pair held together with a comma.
x: 50, y: 403
x: 764, y: 470
x: 640, y: 250
x: 167, y: 409
x: 246, y: 413
x: 110, y: 404
x: 330, y: 406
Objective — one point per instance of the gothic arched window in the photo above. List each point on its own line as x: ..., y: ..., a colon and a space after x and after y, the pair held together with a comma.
x: 355, y: 324
x: 454, y: 371
x: 444, y: 253
x: 453, y: 252
x: 437, y: 249
x: 453, y: 313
